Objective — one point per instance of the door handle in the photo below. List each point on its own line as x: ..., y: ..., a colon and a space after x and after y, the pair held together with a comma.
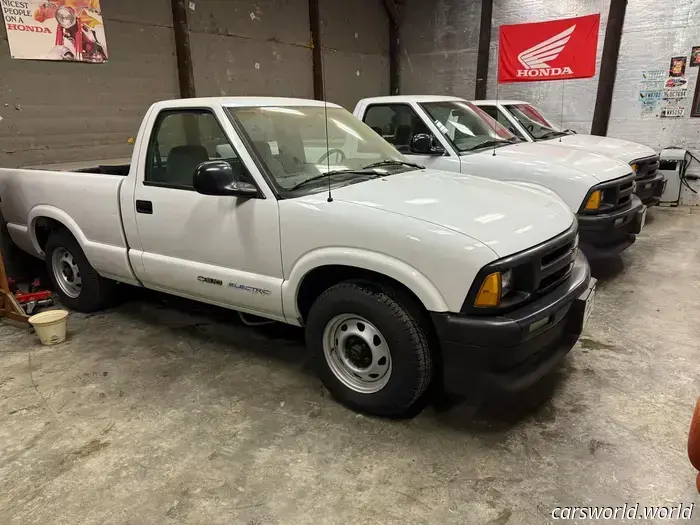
x: 144, y: 207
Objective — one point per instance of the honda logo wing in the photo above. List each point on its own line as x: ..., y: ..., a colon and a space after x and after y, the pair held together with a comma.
x: 537, y: 56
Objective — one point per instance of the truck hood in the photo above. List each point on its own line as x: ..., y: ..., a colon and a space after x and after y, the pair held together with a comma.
x: 508, y: 218
x: 536, y: 154
x: 622, y: 150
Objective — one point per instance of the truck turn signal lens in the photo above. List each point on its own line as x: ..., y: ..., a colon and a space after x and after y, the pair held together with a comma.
x: 490, y: 291
x: 593, y: 202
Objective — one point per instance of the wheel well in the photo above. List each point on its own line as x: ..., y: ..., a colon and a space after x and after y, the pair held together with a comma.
x: 320, y: 279
x: 43, y: 227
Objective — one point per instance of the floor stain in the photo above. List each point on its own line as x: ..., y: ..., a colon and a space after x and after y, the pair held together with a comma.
x: 502, y: 518
x: 90, y: 448
x: 594, y: 445
x: 592, y: 344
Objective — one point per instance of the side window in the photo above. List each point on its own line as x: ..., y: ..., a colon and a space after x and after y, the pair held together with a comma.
x: 396, y: 123
x: 181, y: 141
x: 497, y: 114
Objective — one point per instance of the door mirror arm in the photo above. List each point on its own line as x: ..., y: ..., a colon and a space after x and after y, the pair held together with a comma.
x: 216, y: 177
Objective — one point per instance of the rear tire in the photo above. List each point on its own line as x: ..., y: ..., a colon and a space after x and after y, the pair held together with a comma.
x: 79, y: 286
x: 372, y: 351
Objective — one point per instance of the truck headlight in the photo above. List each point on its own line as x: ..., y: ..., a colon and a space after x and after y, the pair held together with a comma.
x: 494, y: 287
x: 506, y: 283
x: 594, y: 200
x: 65, y: 16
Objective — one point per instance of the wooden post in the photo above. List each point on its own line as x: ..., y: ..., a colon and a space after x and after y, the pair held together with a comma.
x: 183, y: 51
x: 394, y: 47
x: 316, y: 51
x: 608, y: 67
x: 482, y: 57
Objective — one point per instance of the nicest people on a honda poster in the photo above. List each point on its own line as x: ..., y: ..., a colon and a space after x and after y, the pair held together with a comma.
x: 55, y: 30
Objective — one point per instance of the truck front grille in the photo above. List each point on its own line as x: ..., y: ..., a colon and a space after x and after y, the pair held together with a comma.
x: 556, y: 265
x: 618, y: 196
x: 647, y: 168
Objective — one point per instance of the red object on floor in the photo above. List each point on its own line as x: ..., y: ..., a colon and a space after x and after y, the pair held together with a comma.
x: 694, y: 442
x: 33, y: 296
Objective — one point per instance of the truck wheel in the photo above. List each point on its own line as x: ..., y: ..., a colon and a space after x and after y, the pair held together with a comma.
x: 372, y: 352
x: 78, y: 284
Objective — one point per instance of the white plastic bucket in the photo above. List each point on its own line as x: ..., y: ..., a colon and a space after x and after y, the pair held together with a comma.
x: 50, y: 326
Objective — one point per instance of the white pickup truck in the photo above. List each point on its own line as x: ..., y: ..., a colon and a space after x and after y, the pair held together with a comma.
x: 529, y: 123
x: 402, y: 277
x: 451, y: 134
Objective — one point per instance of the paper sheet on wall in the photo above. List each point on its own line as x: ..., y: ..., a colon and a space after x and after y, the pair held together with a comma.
x: 56, y: 30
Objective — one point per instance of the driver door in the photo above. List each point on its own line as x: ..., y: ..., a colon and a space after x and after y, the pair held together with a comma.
x: 398, y: 124
x: 219, y: 249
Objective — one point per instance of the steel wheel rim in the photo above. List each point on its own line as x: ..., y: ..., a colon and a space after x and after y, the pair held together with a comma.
x: 66, y: 272
x: 357, y: 353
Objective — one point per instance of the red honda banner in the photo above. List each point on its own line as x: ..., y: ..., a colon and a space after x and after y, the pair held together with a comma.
x: 554, y: 50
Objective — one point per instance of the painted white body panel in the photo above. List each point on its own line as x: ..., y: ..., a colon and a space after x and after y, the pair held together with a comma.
x: 432, y: 231
x: 570, y: 172
x: 622, y: 150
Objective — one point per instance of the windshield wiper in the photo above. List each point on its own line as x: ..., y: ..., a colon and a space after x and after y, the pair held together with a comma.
x: 363, y: 171
x: 392, y: 162
x: 552, y: 134
x: 489, y: 143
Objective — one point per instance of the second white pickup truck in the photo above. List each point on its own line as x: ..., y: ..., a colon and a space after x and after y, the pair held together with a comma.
x: 402, y: 277
x: 449, y: 133
x: 529, y: 124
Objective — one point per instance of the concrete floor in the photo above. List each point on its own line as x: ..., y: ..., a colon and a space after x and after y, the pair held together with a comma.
x: 154, y: 413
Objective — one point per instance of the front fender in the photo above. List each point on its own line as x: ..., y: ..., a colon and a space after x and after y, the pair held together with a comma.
x: 380, y: 263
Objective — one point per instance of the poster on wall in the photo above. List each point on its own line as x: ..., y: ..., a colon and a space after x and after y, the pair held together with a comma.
x: 55, y: 30
x: 553, y: 50
x: 695, y: 57
x: 677, y: 67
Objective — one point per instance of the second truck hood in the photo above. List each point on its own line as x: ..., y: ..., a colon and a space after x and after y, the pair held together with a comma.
x: 601, y: 167
x: 506, y: 217
x: 622, y: 150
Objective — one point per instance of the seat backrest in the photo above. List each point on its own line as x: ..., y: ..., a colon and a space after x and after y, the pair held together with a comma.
x: 182, y: 162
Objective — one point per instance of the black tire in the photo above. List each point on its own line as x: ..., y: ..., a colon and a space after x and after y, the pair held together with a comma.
x: 399, y: 323
x: 96, y: 292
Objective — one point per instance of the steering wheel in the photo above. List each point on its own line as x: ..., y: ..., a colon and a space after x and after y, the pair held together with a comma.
x: 530, y: 127
x: 334, y: 151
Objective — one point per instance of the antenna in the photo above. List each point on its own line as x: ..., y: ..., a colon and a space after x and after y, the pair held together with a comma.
x: 495, y: 121
x: 561, y: 114
x: 325, y: 117
x: 328, y: 148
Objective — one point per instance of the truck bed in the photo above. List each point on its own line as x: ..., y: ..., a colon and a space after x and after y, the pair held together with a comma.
x: 86, y: 203
x: 104, y: 167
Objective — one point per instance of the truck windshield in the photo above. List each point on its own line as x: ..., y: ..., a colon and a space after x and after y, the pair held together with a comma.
x: 537, y: 126
x: 291, y: 142
x: 466, y: 126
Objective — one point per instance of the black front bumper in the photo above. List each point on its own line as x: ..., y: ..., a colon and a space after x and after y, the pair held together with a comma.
x: 607, y: 234
x: 502, y: 351
x: 650, y: 191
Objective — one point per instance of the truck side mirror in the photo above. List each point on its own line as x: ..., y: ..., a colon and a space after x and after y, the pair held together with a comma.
x: 216, y: 177
x: 423, y: 144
